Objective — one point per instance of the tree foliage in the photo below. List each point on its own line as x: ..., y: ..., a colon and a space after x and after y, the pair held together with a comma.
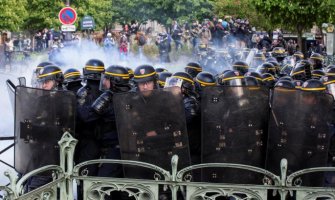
x: 163, y: 11
x: 244, y: 9
x: 42, y: 14
x: 296, y: 15
x: 12, y: 14
x: 100, y: 10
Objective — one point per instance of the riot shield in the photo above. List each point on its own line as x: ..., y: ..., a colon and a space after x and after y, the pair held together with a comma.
x: 152, y: 128
x: 234, y: 128
x: 41, y: 118
x: 11, y: 92
x: 299, y: 131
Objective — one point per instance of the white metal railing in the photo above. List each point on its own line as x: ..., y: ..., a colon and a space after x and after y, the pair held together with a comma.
x: 174, y: 181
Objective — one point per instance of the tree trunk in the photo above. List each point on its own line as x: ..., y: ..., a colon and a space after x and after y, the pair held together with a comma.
x: 299, y: 31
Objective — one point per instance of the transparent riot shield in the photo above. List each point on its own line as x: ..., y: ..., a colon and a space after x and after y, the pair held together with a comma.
x: 41, y: 118
x: 152, y: 128
x: 234, y: 127
x: 299, y: 131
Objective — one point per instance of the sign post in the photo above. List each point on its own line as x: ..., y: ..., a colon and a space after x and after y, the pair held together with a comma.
x: 87, y: 23
x: 67, y: 16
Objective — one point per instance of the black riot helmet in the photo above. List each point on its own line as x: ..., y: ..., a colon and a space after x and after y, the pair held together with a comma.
x: 259, y: 56
x: 269, y: 59
x: 298, y: 84
x: 268, y: 80
x: 317, y: 74
x: 241, y: 66
x: 279, y: 52
x: 266, y: 68
x: 287, y: 78
x: 42, y: 65
x: 251, y: 81
x: 329, y: 82
x: 313, y: 85
x: 117, y: 74
x: 316, y: 60
x: 72, y: 79
x: 130, y: 72
x: 231, y: 78
x: 72, y: 74
x: 37, y: 71
x: 187, y: 83
x: 51, y: 72
x: 330, y: 70
x: 204, y: 79
x: 160, y: 69
x: 297, y: 56
x: 93, y: 69
x: 256, y: 75
x: 285, y: 85
x: 276, y: 65
x: 115, y: 78
x: 162, y: 78
x: 145, y: 73
x: 193, y: 69
x: 301, y: 71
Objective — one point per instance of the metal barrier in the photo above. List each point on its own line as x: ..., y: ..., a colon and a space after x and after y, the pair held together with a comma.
x: 65, y: 174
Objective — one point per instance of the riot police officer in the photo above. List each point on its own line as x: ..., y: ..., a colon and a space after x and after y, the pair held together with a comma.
x: 279, y: 53
x: 114, y: 80
x: 202, y: 80
x: 164, y: 47
x: 88, y: 126
x: 72, y: 80
x: 302, y: 71
x: 51, y: 78
x: 160, y: 70
x: 268, y: 80
x: 256, y: 75
x: 317, y: 61
x: 193, y: 69
x: 162, y: 78
x: 36, y: 72
x: 145, y: 78
x: 266, y: 68
x: 231, y: 78
x: 298, y: 56
x: 192, y: 113
x: 241, y: 66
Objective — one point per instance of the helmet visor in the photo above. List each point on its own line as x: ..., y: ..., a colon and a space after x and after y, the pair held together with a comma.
x: 173, y: 82
x: 331, y: 89
x: 105, y: 83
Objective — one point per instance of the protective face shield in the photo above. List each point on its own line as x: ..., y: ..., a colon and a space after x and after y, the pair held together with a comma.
x: 105, y: 83
x: 235, y: 82
x: 331, y: 89
x: 34, y: 83
x: 46, y: 84
x: 173, y: 82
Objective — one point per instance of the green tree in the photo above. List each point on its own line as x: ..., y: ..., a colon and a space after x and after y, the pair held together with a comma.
x: 100, y: 10
x: 43, y: 14
x: 12, y: 15
x: 296, y: 15
x: 241, y: 8
x: 163, y: 11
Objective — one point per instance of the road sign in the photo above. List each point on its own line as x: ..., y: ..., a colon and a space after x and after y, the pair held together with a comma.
x: 67, y: 15
x: 68, y: 28
x: 87, y: 23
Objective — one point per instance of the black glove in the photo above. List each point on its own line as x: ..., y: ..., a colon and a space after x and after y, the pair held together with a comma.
x: 81, y: 95
x: 102, y: 102
x: 191, y: 108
